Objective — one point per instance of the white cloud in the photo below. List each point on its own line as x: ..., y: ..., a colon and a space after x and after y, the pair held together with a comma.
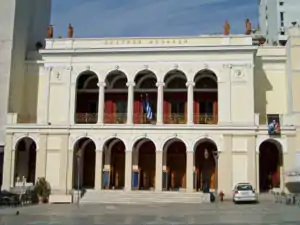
x: 150, y: 17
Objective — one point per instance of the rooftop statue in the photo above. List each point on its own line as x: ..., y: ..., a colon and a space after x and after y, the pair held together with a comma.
x: 50, y: 31
x: 70, y: 31
x: 248, y: 27
x: 226, y: 28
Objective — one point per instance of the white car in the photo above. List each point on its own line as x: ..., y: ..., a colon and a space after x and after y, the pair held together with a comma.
x: 244, y: 192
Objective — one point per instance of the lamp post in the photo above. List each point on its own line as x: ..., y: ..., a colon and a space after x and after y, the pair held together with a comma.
x: 216, y: 157
x: 78, y: 157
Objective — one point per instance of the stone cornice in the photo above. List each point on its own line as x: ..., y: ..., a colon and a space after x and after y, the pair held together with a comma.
x: 93, y: 51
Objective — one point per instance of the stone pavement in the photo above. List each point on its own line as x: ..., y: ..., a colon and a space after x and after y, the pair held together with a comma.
x: 225, y: 213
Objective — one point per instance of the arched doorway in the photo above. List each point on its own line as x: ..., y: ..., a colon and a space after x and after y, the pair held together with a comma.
x: 114, y: 164
x: 84, y: 164
x: 175, y: 163
x: 175, y: 98
x: 205, y: 165
x: 116, y: 97
x: 25, y: 160
x: 145, y: 92
x: 87, y: 98
x: 206, y: 97
x: 270, y: 163
x: 144, y: 152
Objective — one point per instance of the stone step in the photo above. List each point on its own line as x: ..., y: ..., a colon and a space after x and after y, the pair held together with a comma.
x: 142, y: 197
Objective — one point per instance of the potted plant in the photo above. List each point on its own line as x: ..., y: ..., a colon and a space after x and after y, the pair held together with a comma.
x: 43, y: 190
x: 261, y: 40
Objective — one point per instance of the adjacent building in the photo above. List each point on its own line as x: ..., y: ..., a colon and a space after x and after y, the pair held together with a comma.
x: 275, y: 17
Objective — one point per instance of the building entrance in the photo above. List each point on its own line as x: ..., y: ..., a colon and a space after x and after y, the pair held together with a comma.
x: 175, y: 165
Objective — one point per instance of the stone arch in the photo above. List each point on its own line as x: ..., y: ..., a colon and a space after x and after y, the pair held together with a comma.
x: 202, y: 139
x: 32, y: 137
x: 144, y: 164
x: 74, y: 140
x: 113, y: 76
x: 144, y: 138
x: 116, y: 100
x: 25, y: 161
x: 173, y: 74
x: 205, y: 97
x: 114, y: 163
x: 142, y: 75
x: 84, y: 163
x: 205, y: 163
x: 270, y: 165
x: 210, y: 70
x: 174, y: 164
x: 169, y: 139
x: 87, y: 98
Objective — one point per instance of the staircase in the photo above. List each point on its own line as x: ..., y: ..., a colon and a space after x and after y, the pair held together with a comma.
x: 141, y: 197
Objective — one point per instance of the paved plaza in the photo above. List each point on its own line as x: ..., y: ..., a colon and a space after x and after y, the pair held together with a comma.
x: 219, y: 213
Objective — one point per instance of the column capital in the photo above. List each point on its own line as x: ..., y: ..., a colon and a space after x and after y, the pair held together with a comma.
x: 160, y: 84
x: 190, y: 83
x: 101, y: 84
x: 130, y: 84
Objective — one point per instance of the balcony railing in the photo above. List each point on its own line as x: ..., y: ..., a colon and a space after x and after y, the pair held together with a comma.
x: 175, y: 118
x: 86, y: 118
x: 205, y: 118
x: 115, y: 118
x: 141, y: 118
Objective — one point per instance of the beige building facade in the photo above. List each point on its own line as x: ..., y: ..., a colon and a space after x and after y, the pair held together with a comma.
x: 85, y: 119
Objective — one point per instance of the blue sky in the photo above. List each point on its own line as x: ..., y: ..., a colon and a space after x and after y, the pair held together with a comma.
x: 115, y: 18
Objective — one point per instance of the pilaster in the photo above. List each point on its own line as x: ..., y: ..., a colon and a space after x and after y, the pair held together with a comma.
x: 70, y: 169
x: 41, y: 158
x: 128, y: 170
x: 189, y: 171
x: 64, y: 162
x: 130, y: 86
x: 158, y: 171
x: 8, y: 163
x: 101, y: 102
x: 160, y: 102
x: 98, y: 169
x: 224, y: 96
x: 190, y: 115
x: 225, y: 167
x: 251, y: 149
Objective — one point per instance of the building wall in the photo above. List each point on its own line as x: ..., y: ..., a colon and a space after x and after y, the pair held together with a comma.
x: 247, y: 77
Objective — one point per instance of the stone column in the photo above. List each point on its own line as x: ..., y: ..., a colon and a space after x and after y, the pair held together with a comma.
x: 160, y: 102
x: 128, y: 170
x: 64, y: 161
x: 70, y: 167
x: 98, y: 170
x: 190, y: 111
x: 101, y: 102
x: 8, y: 163
x: 72, y: 104
x: 130, y: 86
x: 225, y: 179
x: 189, y: 171
x: 158, y: 170
x: 41, y: 157
x: 251, y: 160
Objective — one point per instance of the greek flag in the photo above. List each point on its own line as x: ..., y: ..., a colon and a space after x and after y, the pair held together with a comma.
x: 147, y: 108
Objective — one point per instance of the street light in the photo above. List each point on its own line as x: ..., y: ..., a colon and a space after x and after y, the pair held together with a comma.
x: 216, y: 157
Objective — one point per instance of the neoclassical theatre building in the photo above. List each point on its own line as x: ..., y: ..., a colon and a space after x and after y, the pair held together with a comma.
x: 155, y: 114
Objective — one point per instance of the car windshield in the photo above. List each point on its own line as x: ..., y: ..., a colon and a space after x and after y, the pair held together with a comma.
x: 244, y: 187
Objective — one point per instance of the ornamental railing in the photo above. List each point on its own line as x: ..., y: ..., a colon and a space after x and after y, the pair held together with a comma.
x: 205, y: 118
x: 175, y: 118
x: 141, y: 118
x: 115, y: 118
x: 86, y: 118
